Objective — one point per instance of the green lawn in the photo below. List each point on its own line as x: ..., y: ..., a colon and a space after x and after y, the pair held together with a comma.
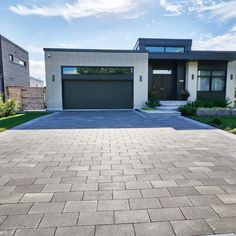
x: 11, y: 121
x: 228, y: 122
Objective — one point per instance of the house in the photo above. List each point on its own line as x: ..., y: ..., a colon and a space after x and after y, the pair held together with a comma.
x: 122, y: 79
x: 34, y: 82
x: 14, y: 65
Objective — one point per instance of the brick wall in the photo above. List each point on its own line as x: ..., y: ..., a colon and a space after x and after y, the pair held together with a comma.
x: 29, y: 98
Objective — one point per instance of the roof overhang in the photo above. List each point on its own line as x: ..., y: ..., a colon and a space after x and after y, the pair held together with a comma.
x: 196, y: 55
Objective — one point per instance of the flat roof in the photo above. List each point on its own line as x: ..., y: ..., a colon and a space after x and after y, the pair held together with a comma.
x: 9, y: 41
x: 91, y: 50
x: 195, y: 55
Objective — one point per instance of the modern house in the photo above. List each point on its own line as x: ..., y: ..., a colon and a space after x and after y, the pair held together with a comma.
x: 122, y: 79
x: 14, y: 65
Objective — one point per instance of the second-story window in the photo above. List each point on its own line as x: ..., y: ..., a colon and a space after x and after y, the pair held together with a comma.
x: 165, y: 49
x: 17, y: 60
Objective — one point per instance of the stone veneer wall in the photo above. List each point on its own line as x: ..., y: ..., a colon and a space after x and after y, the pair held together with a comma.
x: 29, y: 98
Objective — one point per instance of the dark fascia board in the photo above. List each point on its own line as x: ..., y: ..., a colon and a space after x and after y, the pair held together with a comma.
x: 89, y: 50
x: 164, y: 42
x: 196, y: 55
x: 9, y: 41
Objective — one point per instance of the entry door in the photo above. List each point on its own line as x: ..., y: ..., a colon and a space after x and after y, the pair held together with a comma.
x: 163, y: 85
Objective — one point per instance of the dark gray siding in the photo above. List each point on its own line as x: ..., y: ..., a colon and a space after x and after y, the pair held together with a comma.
x: 14, y: 74
x: 180, y: 85
x: 212, y: 65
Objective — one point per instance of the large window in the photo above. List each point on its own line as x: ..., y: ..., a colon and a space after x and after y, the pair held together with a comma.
x: 211, y: 80
x: 174, y: 49
x: 165, y: 49
x: 155, y: 49
x: 76, y: 70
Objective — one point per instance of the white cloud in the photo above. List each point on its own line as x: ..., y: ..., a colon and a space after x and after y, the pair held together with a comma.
x: 220, y: 9
x: 225, y: 10
x: 171, y: 8
x: 225, y: 41
x: 82, y: 8
x: 37, y: 69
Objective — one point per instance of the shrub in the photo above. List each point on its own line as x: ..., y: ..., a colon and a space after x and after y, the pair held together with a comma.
x: 211, y: 103
x: 223, y: 103
x: 216, y: 121
x: 9, y: 107
x: 152, y: 103
x: 187, y: 110
x: 184, y: 94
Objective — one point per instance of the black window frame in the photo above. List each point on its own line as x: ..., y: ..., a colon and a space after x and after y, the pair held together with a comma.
x: 164, y: 49
x: 100, y: 67
x: 211, y: 78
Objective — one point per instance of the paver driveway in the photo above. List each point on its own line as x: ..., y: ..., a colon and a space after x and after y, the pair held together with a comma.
x: 129, y: 175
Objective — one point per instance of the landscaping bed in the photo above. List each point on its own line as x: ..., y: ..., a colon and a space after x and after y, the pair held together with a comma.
x: 14, y: 120
x: 227, y: 123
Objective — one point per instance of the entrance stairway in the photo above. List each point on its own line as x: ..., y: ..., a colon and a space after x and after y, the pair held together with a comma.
x: 170, y: 107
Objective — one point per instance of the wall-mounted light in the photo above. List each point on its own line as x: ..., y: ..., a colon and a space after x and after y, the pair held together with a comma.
x: 140, y: 78
x: 49, y: 55
x: 231, y: 76
x: 192, y: 76
x: 53, y: 78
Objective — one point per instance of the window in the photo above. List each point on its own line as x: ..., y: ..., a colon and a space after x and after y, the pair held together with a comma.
x: 11, y: 57
x: 203, y: 84
x: 155, y: 49
x: 218, y: 84
x: 174, y: 49
x: 162, y: 72
x: 165, y: 49
x: 76, y: 70
x: 22, y: 63
x: 17, y: 60
x: 211, y: 80
x: 218, y: 80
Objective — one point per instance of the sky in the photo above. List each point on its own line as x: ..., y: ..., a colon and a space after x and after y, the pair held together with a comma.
x: 114, y: 24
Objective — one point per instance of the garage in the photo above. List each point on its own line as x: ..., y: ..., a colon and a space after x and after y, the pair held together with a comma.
x: 97, y: 87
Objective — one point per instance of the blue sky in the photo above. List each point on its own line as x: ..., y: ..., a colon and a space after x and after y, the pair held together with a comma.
x: 34, y: 24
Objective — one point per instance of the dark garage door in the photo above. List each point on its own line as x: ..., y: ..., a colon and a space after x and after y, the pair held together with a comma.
x: 98, y: 94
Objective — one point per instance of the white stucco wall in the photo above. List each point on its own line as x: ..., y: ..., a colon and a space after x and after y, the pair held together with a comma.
x: 55, y: 59
x: 191, y: 84
x: 230, y: 83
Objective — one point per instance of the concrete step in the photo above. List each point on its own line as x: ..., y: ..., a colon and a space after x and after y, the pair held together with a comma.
x: 172, y: 103
x: 167, y: 108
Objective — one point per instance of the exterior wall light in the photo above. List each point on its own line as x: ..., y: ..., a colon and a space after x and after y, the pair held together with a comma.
x: 49, y: 55
x: 140, y: 78
x: 231, y: 76
x: 192, y: 76
x: 53, y: 78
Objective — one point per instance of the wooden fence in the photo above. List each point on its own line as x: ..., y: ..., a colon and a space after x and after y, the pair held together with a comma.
x: 30, y: 99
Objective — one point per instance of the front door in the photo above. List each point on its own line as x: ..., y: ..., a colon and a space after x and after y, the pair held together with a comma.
x: 163, y: 85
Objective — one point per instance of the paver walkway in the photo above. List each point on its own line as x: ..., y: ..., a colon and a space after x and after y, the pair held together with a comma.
x: 161, y: 177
